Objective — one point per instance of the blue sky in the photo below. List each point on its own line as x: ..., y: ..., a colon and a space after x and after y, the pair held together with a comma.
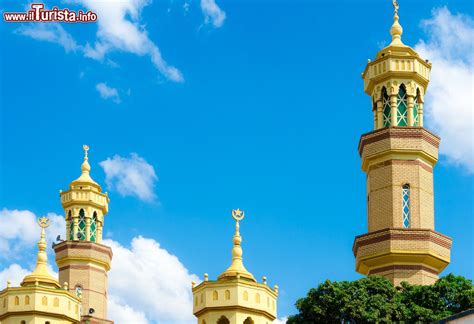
x: 266, y: 117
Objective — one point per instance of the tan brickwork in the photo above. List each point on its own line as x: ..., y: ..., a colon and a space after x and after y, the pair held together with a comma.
x: 85, y: 264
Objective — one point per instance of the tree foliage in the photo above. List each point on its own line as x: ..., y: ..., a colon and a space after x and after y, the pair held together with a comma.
x: 375, y: 299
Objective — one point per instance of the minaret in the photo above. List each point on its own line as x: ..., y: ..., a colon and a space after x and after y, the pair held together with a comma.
x: 40, y: 298
x: 399, y: 157
x: 82, y: 260
x: 235, y: 297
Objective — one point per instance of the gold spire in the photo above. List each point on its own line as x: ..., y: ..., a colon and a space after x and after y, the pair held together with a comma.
x: 41, y: 273
x: 85, y: 168
x: 237, y: 268
x: 396, y: 31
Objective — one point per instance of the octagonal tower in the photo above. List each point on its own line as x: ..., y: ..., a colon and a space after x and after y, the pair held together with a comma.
x: 82, y: 259
x: 235, y: 297
x: 399, y: 157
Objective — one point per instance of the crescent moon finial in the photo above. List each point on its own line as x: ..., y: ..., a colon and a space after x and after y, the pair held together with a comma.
x: 238, y: 214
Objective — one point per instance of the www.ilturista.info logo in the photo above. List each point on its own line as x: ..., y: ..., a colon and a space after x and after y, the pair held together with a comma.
x: 39, y: 14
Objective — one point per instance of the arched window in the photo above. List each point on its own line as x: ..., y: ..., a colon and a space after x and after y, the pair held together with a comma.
x: 246, y: 295
x: 47, y: 322
x: 23, y: 322
x: 81, y: 226
x: 215, y: 295
x: 93, y: 226
x: 249, y: 320
x: 17, y: 300
x: 386, y: 109
x: 78, y: 290
x: 415, y: 108
x: 257, y: 298
x: 44, y: 301
x: 27, y: 300
x: 227, y: 294
x: 402, y: 113
x: 223, y: 320
x: 406, y: 205
x: 56, y: 302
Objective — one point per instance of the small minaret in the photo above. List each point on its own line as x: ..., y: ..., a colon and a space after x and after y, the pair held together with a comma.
x: 82, y: 260
x: 235, y: 297
x: 399, y: 157
x: 40, y: 298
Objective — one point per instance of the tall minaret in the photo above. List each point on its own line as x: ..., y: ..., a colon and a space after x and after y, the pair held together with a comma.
x: 399, y: 157
x: 82, y: 260
x: 235, y: 297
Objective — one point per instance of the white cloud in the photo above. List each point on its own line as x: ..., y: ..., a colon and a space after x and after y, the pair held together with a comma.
x: 50, y: 32
x: 19, y: 229
x: 146, y: 282
x: 149, y: 283
x: 281, y: 320
x: 120, y: 29
x: 450, y: 96
x: 212, y: 13
x: 122, y: 313
x: 14, y: 273
x: 131, y: 176
x: 107, y: 92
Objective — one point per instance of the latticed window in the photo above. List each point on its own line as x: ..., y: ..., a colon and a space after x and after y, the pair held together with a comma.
x: 387, y: 111
x: 402, y: 113
x: 81, y: 226
x: 94, y: 227
x: 406, y: 205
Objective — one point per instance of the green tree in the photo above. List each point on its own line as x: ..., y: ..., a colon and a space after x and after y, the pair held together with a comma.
x: 375, y: 299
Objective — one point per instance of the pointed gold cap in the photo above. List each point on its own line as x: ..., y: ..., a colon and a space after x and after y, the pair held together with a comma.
x: 41, y: 276
x: 237, y: 268
x: 85, y: 168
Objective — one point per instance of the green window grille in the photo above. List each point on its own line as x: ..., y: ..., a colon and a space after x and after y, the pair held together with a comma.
x: 415, y: 113
x: 81, y: 226
x: 93, y: 227
x: 406, y: 206
x: 387, y: 111
x: 402, y: 113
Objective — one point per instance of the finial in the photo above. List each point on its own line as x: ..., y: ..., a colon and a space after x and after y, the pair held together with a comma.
x: 396, y: 31
x: 206, y: 277
x: 9, y: 283
x: 238, y: 214
x: 85, y: 167
x: 237, y: 268
x: 41, y: 272
x: 395, y: 6
x: 85, y: 148
x: 193, y: 284
x: 264, y: 279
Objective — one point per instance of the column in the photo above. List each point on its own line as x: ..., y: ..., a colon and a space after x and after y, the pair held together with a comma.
x: 410, y: 105
x: 375, y: 118
x: 98, y: 235
x: 76, y: 225
x: 68, y: 228
x: 420, y: 114
x: 379, y: 115
x: 393, y: 110
x: 88, y: 227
